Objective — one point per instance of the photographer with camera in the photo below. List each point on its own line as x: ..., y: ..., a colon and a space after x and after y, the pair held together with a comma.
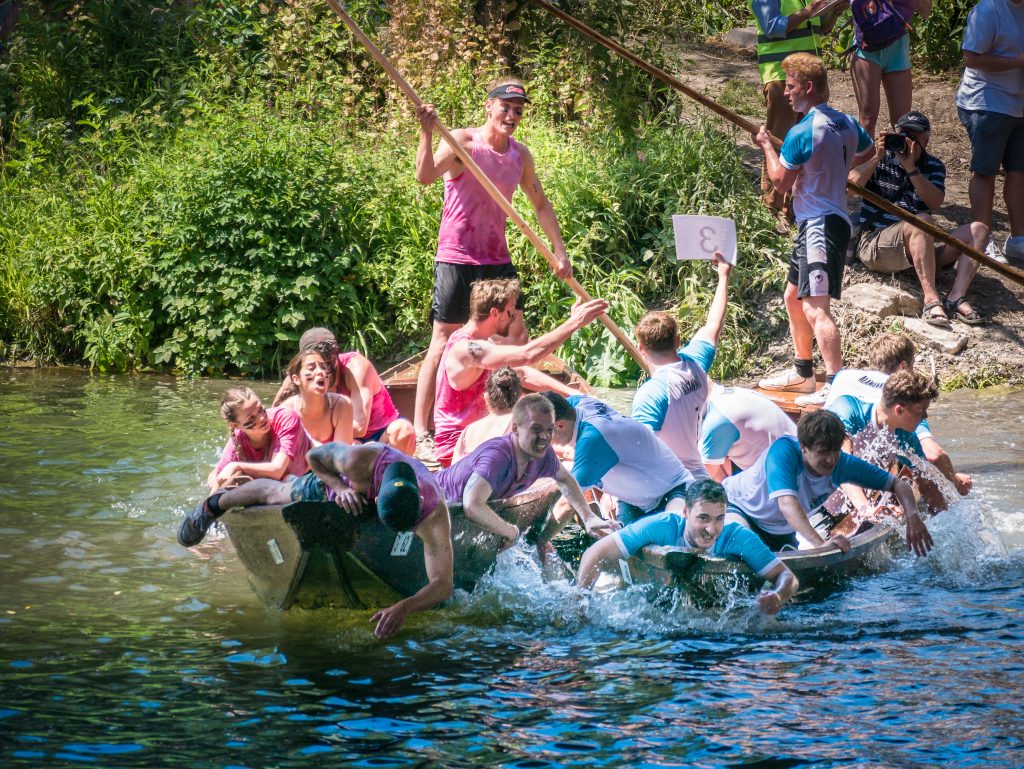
x: 902, y: 172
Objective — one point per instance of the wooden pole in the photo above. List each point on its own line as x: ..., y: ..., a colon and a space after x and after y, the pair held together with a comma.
x: 1011, y: 272
x: 480, y: 176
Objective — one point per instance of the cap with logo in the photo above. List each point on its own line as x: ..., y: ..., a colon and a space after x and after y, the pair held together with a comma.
x: 509, y: 91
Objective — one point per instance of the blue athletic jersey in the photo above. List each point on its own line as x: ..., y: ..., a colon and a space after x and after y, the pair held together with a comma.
x: 780, y: 471
x: 672, y: 402
x: 865, y: 385
x: 740, y: 424
x: 822, y: 146
x: 668, y: 530
x: 621, y: 456
x: 858, y: 418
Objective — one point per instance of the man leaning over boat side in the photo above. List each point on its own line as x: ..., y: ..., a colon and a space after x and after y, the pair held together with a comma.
x: 401, y: 488
x: 503, y: 467
x: 471, y: 242
x: 701, y: 526
x: 620, y: 456
x: 470, y: 356
x: 887, y: 354
x: 673, y: 400
x: 794, y: 477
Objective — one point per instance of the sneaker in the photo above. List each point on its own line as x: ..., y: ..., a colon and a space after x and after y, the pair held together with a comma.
x: 1015, y: 249
x: 993, y: 251
x: 425, y: 446
x: 196, y: 524
x: 814, y: 399
x: 788, y: 381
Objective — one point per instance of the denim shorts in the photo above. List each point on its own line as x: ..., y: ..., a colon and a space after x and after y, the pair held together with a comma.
x: 996, y: 140
x: 895, y: 57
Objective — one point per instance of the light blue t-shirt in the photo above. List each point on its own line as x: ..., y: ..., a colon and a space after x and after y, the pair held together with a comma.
x: 672, y: 402
x: 740, y: 424
x: 822, y: 146
x: 995, y: 27
x: 668, y: 530
x: 780, y: 471
x: 865, y: 385
x: 621, y: 456
x: 857, y: 417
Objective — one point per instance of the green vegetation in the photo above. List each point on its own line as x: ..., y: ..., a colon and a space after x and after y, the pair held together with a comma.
x: 189, y: 185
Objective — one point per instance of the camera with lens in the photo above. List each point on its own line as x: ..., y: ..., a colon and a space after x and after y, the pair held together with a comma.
x: 896, y: 142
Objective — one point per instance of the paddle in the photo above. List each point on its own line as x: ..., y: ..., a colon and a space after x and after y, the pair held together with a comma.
x: 1011, y: 272
x: 481, y: 177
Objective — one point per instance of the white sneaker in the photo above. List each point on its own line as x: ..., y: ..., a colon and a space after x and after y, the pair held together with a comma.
x: 814, y: 399
x: 993, y: 251
x: 788, y: 381
x: 1015, y: 249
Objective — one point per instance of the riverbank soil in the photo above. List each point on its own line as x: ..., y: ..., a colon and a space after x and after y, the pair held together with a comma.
x: 995, y: 352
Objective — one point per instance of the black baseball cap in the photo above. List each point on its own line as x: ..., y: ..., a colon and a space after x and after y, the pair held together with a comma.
x: 509, y: 91
x: 915, y: 121
x: 398, y: 501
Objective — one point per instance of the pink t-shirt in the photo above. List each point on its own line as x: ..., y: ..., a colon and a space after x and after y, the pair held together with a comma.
x: 454, y: 409
x: 382, y: 410
x: 472, y: 224
x: 286, y: 434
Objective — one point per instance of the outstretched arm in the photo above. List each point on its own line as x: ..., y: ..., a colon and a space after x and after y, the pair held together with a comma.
x: 719, y: 305
x: 330, y: 462
x: 785, y: 584
x: 597, y: 558
x: 797, y: 518
x: 531, y: 187
x: 938, y: 456
x: 595, y: 525
x: 918, y: 537
x: 474, y: 504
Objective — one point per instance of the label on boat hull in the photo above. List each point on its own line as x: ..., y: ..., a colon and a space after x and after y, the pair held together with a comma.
x: 402, y: 544
x: 275, y: 551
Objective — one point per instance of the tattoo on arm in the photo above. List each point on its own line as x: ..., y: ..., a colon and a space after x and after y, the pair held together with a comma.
x: 476, y: 350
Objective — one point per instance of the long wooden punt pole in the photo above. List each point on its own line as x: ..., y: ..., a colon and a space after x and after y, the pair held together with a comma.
x: 1011, y: 272
x: 475, y: 170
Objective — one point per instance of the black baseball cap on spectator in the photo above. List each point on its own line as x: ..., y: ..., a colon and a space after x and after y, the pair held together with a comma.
x: 915, y: 121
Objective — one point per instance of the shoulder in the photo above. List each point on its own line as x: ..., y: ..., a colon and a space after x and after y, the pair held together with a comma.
x: 283, y: 416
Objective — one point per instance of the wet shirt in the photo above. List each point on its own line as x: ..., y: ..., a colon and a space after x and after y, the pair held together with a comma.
x: 454, y: 409
x: 672, y: 402
x: 869, y: 439
x: 740, y: 424
x: 669, y: 530
x: 621, y: 456
x: 472, y: 224
x: 780, y: 472
x: 382, y: 410
x: 495, y: 462
x: 865, y: 385
x: 994, y: 27
x: 822, y: 146
x: 286, y: 434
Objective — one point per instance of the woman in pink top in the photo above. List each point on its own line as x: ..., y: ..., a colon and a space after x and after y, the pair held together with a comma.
x: 261, y: 443
x: 471, y: 241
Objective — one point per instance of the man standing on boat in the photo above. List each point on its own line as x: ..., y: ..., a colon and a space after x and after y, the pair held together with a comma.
x: 503, y: 467
x: 700, y: 526
x: 814, y: 162
x: 471, y: 242
x: 794, y: 477
x: 470, y: 355
x: 672, y: 401
x: 620, y: 456
x: 359, y: 478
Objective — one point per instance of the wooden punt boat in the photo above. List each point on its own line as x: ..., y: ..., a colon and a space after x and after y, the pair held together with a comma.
x: 400, y: 379
x: 707, y: 579
x: 314, y: 554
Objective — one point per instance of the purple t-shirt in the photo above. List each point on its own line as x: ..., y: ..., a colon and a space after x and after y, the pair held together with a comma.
x: 495, y: 462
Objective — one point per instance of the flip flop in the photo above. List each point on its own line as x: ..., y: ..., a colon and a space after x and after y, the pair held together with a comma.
x: 972, y: 318
x: 934, y: 320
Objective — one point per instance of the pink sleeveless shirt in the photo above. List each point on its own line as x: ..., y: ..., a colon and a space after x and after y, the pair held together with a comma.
x: 454, y: 409
x: 382, y: 410
x: 472, y: 224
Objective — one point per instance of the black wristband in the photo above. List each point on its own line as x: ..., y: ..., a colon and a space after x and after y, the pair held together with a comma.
x: 911, y: 174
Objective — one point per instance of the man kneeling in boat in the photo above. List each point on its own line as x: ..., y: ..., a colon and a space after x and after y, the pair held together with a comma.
x: 504, y: 467
x: 401, y: 488
x: 700, y: 525
x: 795, y: 476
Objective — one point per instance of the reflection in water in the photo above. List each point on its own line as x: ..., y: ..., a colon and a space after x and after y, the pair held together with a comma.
x: 118, y: 648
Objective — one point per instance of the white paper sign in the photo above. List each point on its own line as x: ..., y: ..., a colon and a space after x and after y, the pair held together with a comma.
x: 699, y: 237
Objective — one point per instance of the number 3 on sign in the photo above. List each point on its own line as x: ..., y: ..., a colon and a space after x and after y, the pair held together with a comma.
x: 699, y: 237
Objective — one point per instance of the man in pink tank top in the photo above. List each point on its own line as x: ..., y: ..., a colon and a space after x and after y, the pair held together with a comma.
x: 471, y: 242
x: 469, y: 356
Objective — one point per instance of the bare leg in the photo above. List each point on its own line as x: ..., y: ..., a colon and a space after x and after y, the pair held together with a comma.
x: 261, y: 491
x: 920, y: 249
x: 425, y: 382
x: 799, y: 327
x: 976, y: 234
x: 867, y: 80
x: 982, y: 192
x: 401, y: 435
x: 819, y: 317
x: 1013, y: 194
x: 899, y: 93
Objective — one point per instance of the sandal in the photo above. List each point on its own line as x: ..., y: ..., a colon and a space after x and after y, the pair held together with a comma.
x: 934, y: 320
x: 972, y: 318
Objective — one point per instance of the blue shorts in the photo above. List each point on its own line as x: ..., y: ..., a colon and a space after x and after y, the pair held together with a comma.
x: 895, y: 57
x: 373, y: 437
x: 996, y: 140
x: 819, y: 254
x: 774, y: 542
x: 309, y: 488
x: 628, y: 513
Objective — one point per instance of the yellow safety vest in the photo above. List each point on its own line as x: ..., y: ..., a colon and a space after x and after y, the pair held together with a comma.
x: 771, y: 51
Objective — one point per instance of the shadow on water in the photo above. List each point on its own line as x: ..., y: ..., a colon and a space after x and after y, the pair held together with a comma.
x: 118, y: 648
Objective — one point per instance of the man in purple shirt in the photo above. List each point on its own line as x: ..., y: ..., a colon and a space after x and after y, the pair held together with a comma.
x: 506, y: 466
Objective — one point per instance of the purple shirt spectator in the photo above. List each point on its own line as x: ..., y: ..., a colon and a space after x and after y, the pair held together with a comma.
x: 495, y: 462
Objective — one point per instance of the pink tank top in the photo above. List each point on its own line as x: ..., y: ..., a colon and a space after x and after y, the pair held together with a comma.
x: 454, y: 409
x: 430, y: 492
x: 472, y: 224
x: 382, y: 410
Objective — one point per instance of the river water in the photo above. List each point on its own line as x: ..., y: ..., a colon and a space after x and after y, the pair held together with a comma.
x: 119, y: 648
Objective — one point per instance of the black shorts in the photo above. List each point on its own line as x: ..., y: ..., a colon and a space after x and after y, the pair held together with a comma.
x: 816, y: 267
x: 452, y: 283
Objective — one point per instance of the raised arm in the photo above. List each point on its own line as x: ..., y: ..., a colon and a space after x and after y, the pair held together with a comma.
x: 531, y: 187
x: 474, y: 503
x: 712, y: 328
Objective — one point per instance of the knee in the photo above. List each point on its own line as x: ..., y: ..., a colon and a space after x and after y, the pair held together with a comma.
x: 979, y: 234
